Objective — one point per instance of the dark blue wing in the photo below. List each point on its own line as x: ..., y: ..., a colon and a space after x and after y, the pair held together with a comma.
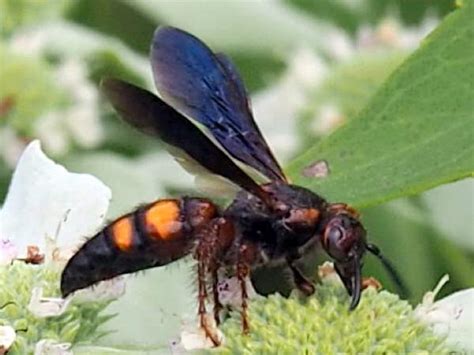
x: 151, y: 115
x: 233, y: 74
x: 207, y: 88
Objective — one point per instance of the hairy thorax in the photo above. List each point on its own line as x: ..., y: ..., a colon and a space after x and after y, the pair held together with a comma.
x: 281, y: 230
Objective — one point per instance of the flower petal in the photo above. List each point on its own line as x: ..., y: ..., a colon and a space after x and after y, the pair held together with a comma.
x: 458, y: 309
x: 107, y: 290
x: 276, y: 108
x: 452, y: 316
x: 52, y: 347
x: 194, y: 337
x: 230, y: 292
x: 8, y: 252
x: 7, y: 337
x: 43, y: 307
x: 43, y: 195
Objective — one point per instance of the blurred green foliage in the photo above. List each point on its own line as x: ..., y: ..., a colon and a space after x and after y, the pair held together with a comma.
x: 18, y: 13
x: 349, y: 87
x: 31, y: 85
x: 115, y: 18
x: 112, y: 39
x: 350, y: 14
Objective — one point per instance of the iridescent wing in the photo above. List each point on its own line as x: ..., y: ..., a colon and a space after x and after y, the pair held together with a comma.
x: 206, y: 87
x: 234, y: 75
x: 148, y: 113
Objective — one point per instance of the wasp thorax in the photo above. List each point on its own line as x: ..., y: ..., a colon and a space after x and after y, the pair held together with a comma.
x: 302, y: 219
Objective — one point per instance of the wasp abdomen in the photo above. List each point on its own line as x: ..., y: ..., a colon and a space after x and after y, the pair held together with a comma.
x: 153, y: 235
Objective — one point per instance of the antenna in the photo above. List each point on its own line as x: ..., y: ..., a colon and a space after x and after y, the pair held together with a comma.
x: 402, y: 288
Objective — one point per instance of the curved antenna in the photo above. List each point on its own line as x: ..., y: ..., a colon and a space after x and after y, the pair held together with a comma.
x: 402, y: 288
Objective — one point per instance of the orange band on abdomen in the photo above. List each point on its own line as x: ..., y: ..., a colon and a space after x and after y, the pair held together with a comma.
x: 162, y: 219
x: 122, y: 233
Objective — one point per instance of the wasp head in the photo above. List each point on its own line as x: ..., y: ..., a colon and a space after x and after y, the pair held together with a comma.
x: 344, y: 239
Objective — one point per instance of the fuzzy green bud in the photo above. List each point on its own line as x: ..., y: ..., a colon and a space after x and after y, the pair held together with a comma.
x: 79, y: 322
x: 323, y: 324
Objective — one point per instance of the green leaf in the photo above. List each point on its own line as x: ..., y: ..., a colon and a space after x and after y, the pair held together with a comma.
x: 415, y: 134
x: 420, y: 252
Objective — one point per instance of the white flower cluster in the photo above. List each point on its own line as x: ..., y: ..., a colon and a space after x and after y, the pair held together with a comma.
x: 277, y: 108
x: 78, y: 122
x: 45, y: 201
x: 51, y: 209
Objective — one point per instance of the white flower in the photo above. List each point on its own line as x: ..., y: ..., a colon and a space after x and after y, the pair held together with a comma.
x: 8, y: 252
x: 11, y: 145
x: 50, y: 209
x: 50, y: 129
x: 390, y: 33
x: 387, y: 36
x: 79, y: 122
x: 327, y: 119
x: 43, y: 307
x: 7, y: 338
x: 52, y: 347
x: 29, y: 43
x: 104, y: 291
x: 193, y: 337
x: 326, y: 272
x: 230, y: 292
x: 83, y: 116
x: 339, y: 45
x: 45, y: 200
x: 276, y: 108
x: 451, y: 317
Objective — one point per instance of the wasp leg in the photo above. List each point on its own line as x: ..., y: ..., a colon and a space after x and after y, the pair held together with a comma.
x: 301, y: 282
x: 202, y: 295
x: 214, y: 240
x: 247, y: 255
x: 215, y: 293
x: 219, y: 238
x: 242, y: 274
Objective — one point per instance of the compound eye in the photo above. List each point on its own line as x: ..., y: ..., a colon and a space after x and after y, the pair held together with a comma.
x: 334, y: 238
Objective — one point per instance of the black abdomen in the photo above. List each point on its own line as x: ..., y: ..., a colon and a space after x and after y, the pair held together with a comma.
x: 153, y: 235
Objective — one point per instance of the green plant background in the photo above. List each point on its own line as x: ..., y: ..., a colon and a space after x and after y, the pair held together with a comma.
x: 408, y: 140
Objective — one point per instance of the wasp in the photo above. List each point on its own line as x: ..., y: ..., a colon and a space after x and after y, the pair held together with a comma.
x: 273, y: 222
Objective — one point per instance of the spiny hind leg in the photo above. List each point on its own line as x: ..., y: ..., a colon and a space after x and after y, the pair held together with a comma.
x: 214, y: 239
x: 220, y: 236
x: 204, y: 322
x: 247, y: 256
x: 242, y: 274
x: 215, y: 292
